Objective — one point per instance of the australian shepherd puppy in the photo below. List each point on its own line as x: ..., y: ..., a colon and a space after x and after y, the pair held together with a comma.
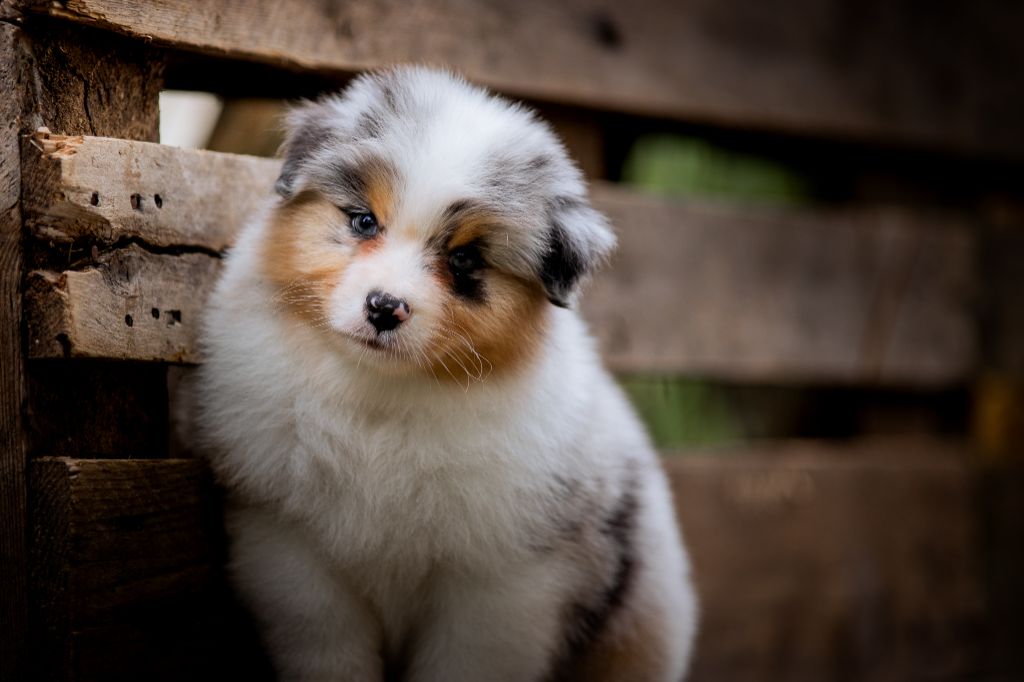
x: 431, y: 476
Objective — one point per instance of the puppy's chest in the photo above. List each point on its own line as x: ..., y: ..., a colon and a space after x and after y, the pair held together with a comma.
x: 414, y: 490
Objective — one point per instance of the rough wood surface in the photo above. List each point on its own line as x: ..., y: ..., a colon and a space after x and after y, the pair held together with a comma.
x: 802, y: 66
x: 100, y: 190
x: 799, y: 578
x: 851, y: 295
x: 817, y: 562
x: 80, y: 81
x: 128, y: 574
x: 13, y: 605
x: 89, y: 82
x: 130, y: 305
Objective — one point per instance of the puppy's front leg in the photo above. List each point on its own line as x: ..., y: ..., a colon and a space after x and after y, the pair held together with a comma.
x: 315, y: 628
x: 504, y: 627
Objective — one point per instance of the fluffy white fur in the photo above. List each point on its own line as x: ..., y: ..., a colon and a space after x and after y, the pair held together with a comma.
x: 385, y: 522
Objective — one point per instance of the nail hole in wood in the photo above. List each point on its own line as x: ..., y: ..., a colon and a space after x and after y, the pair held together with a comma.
x: 95, y: 199
x: 136, y: 200
x: 128, y: 320
x: 158, y: 200
x: 155, y: 312
x: 65, y: 344
x: 605, y: 31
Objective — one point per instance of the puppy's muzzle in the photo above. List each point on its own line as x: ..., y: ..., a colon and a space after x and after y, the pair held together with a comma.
x: 385, y: 312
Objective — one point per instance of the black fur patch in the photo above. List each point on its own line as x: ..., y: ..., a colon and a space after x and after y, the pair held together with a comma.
x: 586, y: 620
x: 469, y: 285
x: 560, y: 267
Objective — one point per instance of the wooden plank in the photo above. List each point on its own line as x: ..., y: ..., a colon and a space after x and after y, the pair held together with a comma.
x: 89, y: 82
x: 130, y: 305
x: 809, y: 68
x: 823, y: 562
x: 99, y: 190
x: 813, y: 561
x: 853, y: 295
x: 128, y: 576
x: 760, y: 294
x: 13, y: 565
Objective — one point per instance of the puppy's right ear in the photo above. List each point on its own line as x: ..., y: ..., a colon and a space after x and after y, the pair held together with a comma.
x: 304, y: 135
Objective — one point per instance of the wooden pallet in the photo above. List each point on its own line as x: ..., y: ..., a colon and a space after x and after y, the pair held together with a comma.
x: 869, y: 560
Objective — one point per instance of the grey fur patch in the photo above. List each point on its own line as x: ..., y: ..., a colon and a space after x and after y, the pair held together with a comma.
x: 587, y: 617
x: 305, y: 138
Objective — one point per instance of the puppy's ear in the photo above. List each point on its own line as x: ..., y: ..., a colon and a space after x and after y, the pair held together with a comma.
x: 305, y: 134
x: 579, y: 240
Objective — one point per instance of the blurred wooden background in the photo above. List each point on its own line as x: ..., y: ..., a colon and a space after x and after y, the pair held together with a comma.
x: 829, y: 193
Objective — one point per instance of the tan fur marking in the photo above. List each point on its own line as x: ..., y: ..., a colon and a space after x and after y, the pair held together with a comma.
x: 469, y: 230
x: 299, y: 257
x: 506, y: 330
x: 380, y: 193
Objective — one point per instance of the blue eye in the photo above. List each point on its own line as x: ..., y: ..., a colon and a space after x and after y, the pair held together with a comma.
x: 364, y: 224
x: 464, y: 259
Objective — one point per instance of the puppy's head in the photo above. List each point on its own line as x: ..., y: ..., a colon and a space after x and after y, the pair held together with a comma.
x: 425, y: 225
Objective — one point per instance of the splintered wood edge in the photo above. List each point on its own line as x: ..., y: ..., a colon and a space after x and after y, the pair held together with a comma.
x: 105, y: 190
x: 133, y: 305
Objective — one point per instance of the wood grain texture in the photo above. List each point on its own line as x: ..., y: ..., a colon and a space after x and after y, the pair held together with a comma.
x: 128, y: 576
x: 101, y: 190
x: 797, y: 65
x: 799, y: 578
x: 14, y: 604
x: 825, y: 562
x: 130, y: 305
x: 89, y: 82
x: 852, y: 296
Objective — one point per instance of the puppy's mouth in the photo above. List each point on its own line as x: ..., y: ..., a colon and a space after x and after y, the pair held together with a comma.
x: 382, y: 343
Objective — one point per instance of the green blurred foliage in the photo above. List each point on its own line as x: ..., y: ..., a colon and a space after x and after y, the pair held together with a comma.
x: 683, y: 412
x: 686, y: 166
x: 688, y: 412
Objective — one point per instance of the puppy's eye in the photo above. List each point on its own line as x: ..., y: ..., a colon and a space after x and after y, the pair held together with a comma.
x: 464, y: 259
x: 363, y: 224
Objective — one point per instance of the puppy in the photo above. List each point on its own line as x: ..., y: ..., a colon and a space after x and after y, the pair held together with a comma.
x: 431, y: 477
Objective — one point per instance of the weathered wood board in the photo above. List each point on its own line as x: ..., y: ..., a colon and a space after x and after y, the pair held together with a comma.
x: 107, y: 191
x: 128, y: 579
x: 842, y: 295
x: 13, y: 564
x: 799, y: 66
x: 77, y: 80
x: 812, y: 562
x: 873, y: 295
x: 130, y: 305
x: 817, y: 562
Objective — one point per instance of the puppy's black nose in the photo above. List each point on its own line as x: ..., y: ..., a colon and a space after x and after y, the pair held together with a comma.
x: 384, y: 311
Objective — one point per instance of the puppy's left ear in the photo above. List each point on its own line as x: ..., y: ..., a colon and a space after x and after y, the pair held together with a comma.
x: 579, y: 240
x: 305, y: 134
